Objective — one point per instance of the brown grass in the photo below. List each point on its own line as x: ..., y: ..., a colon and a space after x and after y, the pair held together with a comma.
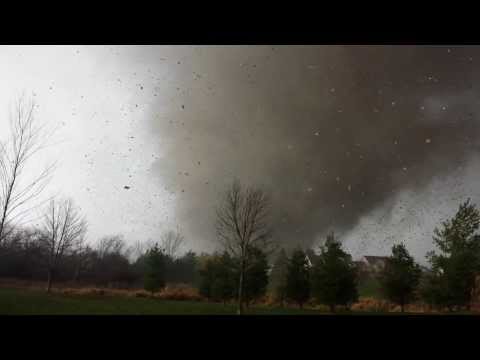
x: 179, y: 292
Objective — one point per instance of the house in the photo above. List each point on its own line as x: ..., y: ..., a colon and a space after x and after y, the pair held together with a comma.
x: 375, y: 264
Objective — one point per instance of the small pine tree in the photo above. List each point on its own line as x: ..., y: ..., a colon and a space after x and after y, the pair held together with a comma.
x: 154, y: 270
x: 298, y: 278
x: 400, y: 277
x: 334, y: 276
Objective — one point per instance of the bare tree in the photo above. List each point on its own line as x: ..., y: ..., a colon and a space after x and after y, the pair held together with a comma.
x: 110, y: 244
x: 171, y: 243
x: 63, y: 232
x: 27, y: 137
x: 242, y: 223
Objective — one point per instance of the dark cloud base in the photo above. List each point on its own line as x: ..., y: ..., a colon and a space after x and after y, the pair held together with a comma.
x: 331, y: 132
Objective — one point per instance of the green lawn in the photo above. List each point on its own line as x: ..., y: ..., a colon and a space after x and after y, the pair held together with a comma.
x: 36, y: 302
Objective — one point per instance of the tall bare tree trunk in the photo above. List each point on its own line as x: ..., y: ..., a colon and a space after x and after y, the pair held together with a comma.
x: 49, y: 280
x: 240, y: 287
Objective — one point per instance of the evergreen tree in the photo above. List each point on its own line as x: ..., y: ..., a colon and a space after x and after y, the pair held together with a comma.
x: 400, y: 277
x: 256, y: 275
x: 154, y: 270
x: 278, y: 278
x: 298, y: 279
x: 455, y: 267
x: 225, y: 280
x: 334, y: 278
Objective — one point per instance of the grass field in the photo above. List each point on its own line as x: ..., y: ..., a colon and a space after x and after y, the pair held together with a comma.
x: 37, y: 302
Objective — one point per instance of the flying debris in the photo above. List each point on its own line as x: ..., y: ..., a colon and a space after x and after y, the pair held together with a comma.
x: 126, y: 187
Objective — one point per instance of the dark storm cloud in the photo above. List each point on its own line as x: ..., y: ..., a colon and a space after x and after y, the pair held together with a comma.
x: 331, y: 132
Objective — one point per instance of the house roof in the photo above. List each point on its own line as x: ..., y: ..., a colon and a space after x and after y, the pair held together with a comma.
x: 376, y: 260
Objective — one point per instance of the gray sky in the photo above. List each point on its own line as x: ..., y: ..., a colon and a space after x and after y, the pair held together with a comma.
x: 376, y: 143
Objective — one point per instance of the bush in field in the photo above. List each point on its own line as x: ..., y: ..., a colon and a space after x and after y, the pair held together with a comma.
x: 334, y: 277
x: 400, y: 277
x: 155, y: 270
x: 224, y: 281
x: 298, y: 279
x: 218, y: 278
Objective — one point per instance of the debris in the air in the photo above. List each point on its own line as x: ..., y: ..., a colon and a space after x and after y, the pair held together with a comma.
x: 183, y: 106
x: 126, y: 187
x: 428, y: 141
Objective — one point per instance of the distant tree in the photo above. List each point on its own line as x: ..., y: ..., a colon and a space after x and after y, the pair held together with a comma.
x: 298, y: 278
x: 256, y: 276
x: 334, y: 276
x: 63, y: 231
x: 185, y: 268
x: 171, y: 243
x: 455, y: 267
x: 400, y: 277
x: 154, y: 270
x: 18, y: 188
x: 111, y: 265
x: 242, y: 223
x: 278, y: 277
x: 110, y: 244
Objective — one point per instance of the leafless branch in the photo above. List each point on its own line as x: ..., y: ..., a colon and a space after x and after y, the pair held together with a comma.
x: 27, y: 138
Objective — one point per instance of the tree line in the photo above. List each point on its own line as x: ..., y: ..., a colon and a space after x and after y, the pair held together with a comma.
x: 56, y: 250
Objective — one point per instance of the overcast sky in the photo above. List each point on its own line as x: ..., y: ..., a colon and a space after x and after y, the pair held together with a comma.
x: 375, y: 143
